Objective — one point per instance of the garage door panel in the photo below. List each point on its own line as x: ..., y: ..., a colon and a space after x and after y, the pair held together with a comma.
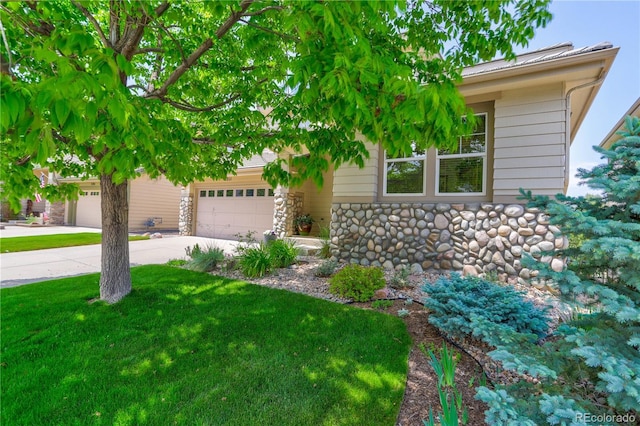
x: 224, y: 217
x: 88, y: 211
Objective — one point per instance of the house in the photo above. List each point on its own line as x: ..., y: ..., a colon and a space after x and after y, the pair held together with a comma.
x: 613, y: 136
x: 153, y: 204
x: 442, y: 210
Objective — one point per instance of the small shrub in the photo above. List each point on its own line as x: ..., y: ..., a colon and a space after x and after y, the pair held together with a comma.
x: 178, y: 263
x: 326, y: 268
x: 325, y: 250
x: 325, y: 233
x: 400, y: 278
x: 403, y: 313
x: 205, y: 260
x: 357, y: 282
x: 255, y: 261
x: 382, y: 304
x: 282, y: 253
x: 457, y: 302
x: 191, y: 252
x: 245, y: 241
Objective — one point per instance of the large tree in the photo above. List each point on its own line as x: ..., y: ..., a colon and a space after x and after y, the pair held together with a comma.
x: 190, y: 89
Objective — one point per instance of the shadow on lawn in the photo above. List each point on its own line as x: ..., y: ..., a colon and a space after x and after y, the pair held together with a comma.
x: 189, y: 348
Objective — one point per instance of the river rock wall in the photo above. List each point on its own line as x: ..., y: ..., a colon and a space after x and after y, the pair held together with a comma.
x: 472, y: 238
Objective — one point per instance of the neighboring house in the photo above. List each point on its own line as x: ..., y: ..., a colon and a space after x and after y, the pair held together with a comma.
x: 155, y: 200
x: 613, y: 135
x: 454, y: 210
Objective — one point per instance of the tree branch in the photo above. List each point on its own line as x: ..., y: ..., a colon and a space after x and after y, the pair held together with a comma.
x: 201, y: 50
x: 268, y: 30
x: 93, y: 21
x: 261, y: 11
x: 235, y: 17
x: 148, y: 50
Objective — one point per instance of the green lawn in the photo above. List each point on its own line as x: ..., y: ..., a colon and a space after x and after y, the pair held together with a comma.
x: 191, y: 348
x: 39, y: 242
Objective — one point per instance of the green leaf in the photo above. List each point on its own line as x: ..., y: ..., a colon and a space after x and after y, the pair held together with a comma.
x: 62, y: 111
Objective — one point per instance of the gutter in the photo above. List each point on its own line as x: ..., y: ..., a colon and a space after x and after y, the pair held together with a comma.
x: 567, y: 142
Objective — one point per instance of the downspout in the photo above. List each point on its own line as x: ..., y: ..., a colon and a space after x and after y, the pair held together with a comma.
x: 567, y: 100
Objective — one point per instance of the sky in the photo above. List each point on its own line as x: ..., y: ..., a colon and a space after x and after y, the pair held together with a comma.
x: 586, y: 23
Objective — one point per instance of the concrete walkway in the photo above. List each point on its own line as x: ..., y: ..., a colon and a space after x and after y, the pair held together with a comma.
x: 33, y: 266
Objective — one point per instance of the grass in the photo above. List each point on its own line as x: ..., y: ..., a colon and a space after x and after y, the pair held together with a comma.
x: 191, y: 348
x: 39, y: 242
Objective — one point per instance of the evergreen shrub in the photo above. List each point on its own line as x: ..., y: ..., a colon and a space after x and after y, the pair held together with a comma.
x: 357, y: 282
x: 457, y: 305
x: 591, y: 364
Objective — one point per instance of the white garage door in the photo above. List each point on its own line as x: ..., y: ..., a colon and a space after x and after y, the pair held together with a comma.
x: 223, y: 212
x: 88, y: 209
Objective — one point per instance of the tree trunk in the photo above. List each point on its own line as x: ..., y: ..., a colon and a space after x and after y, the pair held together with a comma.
x: 115, y: 279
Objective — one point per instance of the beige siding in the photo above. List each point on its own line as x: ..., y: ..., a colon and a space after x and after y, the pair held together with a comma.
x: 530, y: 134
x: 153, y: 198
x: 317, y: 201
x: 351, y: 181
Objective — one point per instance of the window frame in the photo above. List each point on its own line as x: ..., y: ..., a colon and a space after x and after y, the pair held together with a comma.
x: 387, y: 161
x: 482, y: 155
x: 430, y: 193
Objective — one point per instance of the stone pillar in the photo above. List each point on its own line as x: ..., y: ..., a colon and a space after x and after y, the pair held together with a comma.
x: 55, y: 211
x: 280, y: 211
x: 185, y: 219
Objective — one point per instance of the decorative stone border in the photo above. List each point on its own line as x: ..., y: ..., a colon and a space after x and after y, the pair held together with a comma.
x: 473, y: 238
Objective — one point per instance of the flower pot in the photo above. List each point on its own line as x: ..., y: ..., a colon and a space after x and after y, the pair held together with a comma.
x: 304, y: 228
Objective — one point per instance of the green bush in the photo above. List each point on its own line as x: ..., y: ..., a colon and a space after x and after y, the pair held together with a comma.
x: 177, y: 263
x: 357, y: 282
x: 205, y: 260
x: 400, y: 278
x: 282, y: 253
x: 255, y: 261
x: 326, y: 268
x: 457, y: 303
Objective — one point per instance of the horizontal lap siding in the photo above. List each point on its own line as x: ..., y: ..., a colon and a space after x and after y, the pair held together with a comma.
x: 149, y: 198
x: 351, y: 181
x: 529, y: 143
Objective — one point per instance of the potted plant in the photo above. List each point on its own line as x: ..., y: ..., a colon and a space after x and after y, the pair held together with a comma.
x: 304, y: 223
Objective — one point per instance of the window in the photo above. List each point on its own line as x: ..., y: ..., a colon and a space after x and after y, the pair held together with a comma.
x: 270, y: 192
x: 261, y: 192
x: 458, y: 171
x: 239, y: 192
x: 249, y: 193
x: 405, y: 175
x: 229, y: 193
x: 220, y: 193
x: 212, y: 193
x: 463, y: 170
x: 203, y: 193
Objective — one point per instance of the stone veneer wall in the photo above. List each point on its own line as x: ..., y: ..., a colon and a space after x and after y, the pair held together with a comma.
x: 475, y: 237
x: 286, y: 206
x: 185, y: 218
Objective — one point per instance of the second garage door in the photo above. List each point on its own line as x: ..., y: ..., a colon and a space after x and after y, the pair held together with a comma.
x: 88, y: 211
x: 223, y: 212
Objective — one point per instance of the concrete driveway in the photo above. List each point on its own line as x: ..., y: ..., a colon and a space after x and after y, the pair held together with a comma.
x: 33, y: 266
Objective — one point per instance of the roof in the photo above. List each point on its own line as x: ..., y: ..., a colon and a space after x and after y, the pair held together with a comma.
x: 557, y: 51
x: 613, y: 136
x: 259, y: 160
